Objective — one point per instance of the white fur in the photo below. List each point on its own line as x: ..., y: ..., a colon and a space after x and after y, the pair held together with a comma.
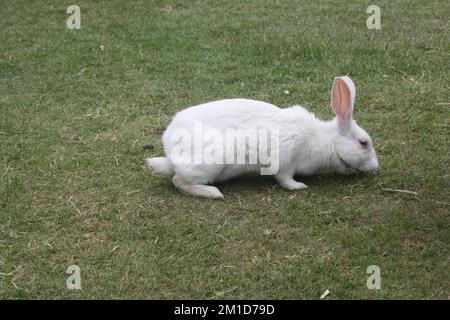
x: 160, y: 165
x: 307, y: 145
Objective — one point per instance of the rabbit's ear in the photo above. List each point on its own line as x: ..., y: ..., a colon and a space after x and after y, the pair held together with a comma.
x: 342, y: 100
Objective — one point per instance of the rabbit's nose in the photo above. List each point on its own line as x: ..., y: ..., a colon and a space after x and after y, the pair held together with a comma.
x: 371, y: 166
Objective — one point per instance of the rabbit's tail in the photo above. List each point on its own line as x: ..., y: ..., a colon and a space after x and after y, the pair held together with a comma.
x: 161, y: 165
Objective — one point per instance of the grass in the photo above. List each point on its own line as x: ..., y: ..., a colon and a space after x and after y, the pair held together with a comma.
x: 75, y: 190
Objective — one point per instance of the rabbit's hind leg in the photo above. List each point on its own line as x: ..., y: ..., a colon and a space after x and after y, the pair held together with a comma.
x: 196, y: 190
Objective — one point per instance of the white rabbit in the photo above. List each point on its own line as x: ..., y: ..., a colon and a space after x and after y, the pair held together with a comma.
x: 306, y: 145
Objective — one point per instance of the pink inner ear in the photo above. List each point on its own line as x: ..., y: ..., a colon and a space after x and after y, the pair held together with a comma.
x: 341, y: 99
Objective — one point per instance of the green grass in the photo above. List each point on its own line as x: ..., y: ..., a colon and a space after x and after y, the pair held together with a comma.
x: 73, y: 119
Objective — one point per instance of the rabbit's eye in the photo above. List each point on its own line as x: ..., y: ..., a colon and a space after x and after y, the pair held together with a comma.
x: 363, y: 143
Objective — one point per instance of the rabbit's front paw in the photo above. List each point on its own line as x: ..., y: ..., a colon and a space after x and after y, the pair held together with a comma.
x: 290, y: 184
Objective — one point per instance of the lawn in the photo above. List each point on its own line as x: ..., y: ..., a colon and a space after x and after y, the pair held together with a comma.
x: 77, y: 107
